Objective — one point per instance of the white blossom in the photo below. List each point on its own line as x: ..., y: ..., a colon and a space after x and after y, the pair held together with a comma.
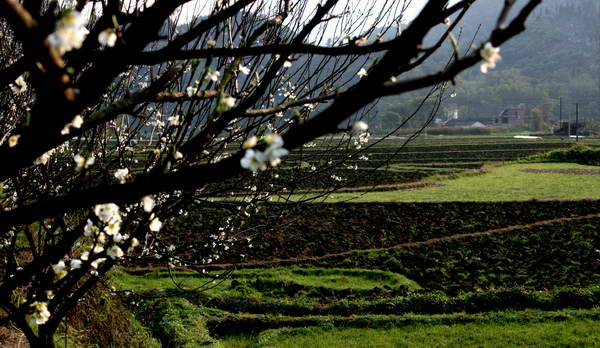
x: 107, y: 213
x: 174, y: 120
x: 148, y: 203
x: 155, y: 225
x: 60, y: 269
x: 20, y: 85
x: 191, y: 91
x: 114, y: 252
x: 287, y: 64
x: 213, y: 75
x: 107, y: 37
x: 82, y: 162
x: 13, y: 140
x: 491, y: 56
x: 90, y: 229
x: 69, y: 32
x: 228, y: 102
x: 75, y: 264
x: 253, y: 160
x: 244, y: 70
x: 112, y: 228
x: 250, y: 142
x: 97, y: 262
x: 362, y: 73
x: 40, y: 313
x: 122, y: 174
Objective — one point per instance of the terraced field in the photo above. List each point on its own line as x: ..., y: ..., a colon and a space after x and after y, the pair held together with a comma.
x: 441, y: 272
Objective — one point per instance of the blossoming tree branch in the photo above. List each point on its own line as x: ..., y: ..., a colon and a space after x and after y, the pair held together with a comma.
x: 116, y: 116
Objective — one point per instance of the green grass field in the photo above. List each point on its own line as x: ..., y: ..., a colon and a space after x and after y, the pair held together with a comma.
x: 499, y: 183
x: 569, y: 333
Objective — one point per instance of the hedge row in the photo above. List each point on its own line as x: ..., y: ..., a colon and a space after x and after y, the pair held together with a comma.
x: 425, y: 303
x: 245, y: 324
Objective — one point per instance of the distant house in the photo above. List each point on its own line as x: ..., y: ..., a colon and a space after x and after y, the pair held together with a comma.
x: 513, y: 116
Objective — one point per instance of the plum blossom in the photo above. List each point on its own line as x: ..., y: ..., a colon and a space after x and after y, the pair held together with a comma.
x: 90, y: 229
x: 155, y: 225
x: 227, y: 103
x: 75, y: 264
x: 60, y: 269
x: 107, y: 212
x: 13, y: 140
x: 253, y: 160
x: 362, y: 73
x: 40, y: 313
x: 97, y: 262
x: 43, y: 159
x: 112, y: 229
x: 69, y: 32
x: 191, y: 91
x: 213, y: 75
x: 114, y: 252
x: 75, y: 123
x: 122, y: 174
x: 211, y: 43
x: 82, y: 162
x: 287, y: 64
x: 107, y: 37
x: 250, y: 142
x: 174, y: 120
x: 148, y: 203
x: 244, y: 70
x: 20, y: 85
x: 491, y: 56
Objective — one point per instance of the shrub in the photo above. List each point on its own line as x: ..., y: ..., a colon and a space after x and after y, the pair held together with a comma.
x: 576, y: 154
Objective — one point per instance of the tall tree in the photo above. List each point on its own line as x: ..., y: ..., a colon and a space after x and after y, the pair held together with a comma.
x: 117, y: 115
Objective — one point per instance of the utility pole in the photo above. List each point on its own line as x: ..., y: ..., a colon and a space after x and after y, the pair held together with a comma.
x: 577, y: 122
x: 560, y: 112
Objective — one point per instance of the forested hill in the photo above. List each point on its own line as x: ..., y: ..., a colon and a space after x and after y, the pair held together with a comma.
x: 558, y: 57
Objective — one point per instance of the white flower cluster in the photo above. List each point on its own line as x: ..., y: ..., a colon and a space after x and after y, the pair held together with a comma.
x: 69, y: 32
x: 75, y: 123
x: 122, y: 175
x: 360, y: 128
x: 255, y: 160
x: 107, y: 37
x: 40, y: 313
x: 20, y: 85
x: 491, y: 56
x: 82, y: 162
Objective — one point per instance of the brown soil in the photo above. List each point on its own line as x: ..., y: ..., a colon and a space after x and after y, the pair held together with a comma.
x: 564, y: 171
x: 12, y: 338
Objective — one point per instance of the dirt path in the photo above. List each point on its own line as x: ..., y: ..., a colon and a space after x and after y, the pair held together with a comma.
x: 564, y: 171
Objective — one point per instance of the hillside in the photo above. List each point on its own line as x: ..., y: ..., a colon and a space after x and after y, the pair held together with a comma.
x: 556, y: 57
